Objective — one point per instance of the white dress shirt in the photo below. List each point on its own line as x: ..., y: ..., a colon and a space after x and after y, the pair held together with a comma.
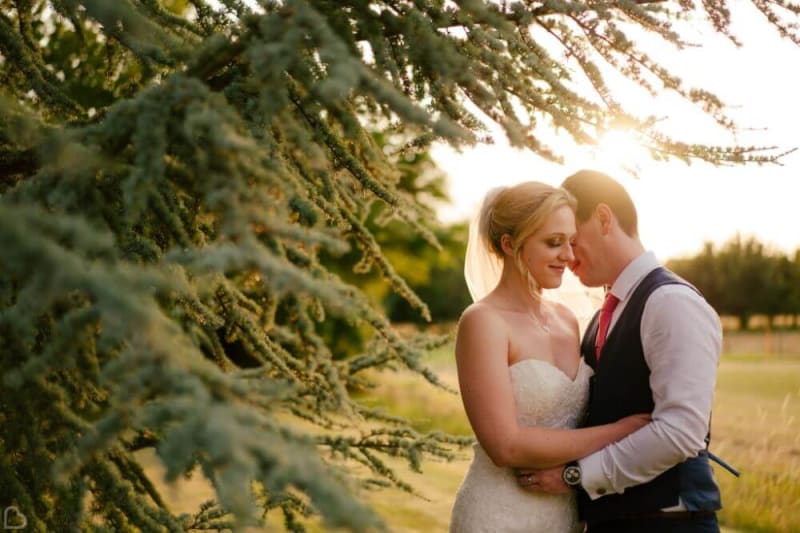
x: 682, y: 340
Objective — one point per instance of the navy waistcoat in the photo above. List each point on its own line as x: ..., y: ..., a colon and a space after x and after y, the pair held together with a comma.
x: 621, y: 387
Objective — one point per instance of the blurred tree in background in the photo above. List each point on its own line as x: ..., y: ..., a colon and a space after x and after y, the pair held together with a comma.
x: 743, y: 277
x: 177, y: 179
x: 439, y: 278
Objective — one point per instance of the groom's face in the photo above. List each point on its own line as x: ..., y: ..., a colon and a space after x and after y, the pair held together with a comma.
x: 588, y: 252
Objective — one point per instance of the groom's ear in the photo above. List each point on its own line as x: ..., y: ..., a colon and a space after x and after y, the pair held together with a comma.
x: 605, y: 216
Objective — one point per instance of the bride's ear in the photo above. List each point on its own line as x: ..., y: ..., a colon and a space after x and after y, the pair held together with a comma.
x: 507, y: 244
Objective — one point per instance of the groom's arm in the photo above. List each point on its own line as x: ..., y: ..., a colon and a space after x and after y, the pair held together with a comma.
x: 682, y: 339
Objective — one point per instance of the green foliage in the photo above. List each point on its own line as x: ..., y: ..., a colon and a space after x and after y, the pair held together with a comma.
x: 743, y: 277
x: 175, y: 179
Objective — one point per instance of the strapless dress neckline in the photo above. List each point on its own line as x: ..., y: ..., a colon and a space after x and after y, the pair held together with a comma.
x: 581, y: 365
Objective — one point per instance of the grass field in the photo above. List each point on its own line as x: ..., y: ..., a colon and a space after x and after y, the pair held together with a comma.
x: 755, y: 428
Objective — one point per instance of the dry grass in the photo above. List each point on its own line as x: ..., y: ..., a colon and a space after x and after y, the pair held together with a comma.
x: 756, y: 428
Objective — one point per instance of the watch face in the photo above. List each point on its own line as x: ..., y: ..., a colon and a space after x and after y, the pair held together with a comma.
x: 572, y: 475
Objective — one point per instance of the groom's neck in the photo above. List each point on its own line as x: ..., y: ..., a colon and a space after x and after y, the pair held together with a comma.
x: 624, y: 250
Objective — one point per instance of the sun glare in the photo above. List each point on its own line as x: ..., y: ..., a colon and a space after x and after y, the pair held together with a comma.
x: 617, y: 150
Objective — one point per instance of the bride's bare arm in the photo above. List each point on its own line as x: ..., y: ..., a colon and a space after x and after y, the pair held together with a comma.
x: 482, y: 345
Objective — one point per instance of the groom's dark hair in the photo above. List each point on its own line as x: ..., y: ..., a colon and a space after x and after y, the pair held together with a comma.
x: 590, y: 187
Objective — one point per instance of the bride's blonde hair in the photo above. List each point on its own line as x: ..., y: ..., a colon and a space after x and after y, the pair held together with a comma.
x: 519, y: 211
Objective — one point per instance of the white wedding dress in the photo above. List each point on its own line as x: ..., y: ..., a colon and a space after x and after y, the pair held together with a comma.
x: 489, y: 499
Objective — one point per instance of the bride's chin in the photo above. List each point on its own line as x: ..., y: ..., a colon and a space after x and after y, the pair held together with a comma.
x: 551, y: 285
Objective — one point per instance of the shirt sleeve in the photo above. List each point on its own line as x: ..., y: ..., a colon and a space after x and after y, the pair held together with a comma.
x: 682, y: 341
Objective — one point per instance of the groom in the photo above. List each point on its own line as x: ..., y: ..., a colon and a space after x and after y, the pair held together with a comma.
x: 654, y: 347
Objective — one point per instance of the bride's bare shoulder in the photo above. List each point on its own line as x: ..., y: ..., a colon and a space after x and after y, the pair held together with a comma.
x: 482, y: 330
x: 563, y: 311
x: 565, y: 315
x: 481, y: 314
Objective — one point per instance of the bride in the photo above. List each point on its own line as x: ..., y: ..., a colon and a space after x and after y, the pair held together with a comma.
x: 522, y: 380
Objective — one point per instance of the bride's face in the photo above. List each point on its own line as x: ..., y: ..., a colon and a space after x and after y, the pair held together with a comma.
x: 548, y: 251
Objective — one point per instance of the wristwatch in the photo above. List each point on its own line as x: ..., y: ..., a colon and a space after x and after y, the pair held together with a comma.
x: 572, y: 474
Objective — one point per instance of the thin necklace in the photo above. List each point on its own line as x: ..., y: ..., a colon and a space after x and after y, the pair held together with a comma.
x: 543, y: 322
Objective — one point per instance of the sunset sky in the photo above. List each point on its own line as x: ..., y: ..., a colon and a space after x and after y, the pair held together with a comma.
x: 682, y: 206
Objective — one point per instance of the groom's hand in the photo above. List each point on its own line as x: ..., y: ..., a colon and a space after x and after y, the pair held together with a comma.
x: 549, y: 480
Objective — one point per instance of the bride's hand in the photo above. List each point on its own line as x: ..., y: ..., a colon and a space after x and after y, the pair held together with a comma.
x: 631, y: 423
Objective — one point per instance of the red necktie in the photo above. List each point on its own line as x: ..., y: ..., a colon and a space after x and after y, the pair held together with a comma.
x: 606, y: 311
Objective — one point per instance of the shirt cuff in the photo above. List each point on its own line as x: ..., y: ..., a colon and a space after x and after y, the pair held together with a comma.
x: 593, y: 480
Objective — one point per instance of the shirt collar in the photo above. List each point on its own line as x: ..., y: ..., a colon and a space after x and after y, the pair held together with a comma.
x: 633, y: 273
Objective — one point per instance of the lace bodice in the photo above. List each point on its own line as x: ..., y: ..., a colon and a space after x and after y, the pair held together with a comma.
x: 545, y: 396
x: 489, y: 499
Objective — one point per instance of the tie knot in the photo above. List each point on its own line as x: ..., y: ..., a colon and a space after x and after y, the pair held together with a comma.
x: 609, y: 303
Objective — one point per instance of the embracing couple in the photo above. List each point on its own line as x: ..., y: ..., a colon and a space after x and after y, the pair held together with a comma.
x: 607, y: 434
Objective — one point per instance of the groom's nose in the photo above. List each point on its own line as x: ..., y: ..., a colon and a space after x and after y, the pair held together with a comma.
x: 573, y: 264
